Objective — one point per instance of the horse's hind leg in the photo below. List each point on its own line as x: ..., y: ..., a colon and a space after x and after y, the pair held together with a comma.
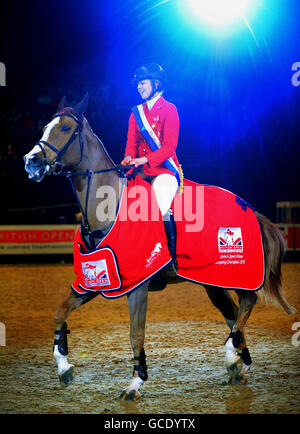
x: 60, y: 347
x: 221, y: 299
x: 238, y: 358
x: 137, y: 303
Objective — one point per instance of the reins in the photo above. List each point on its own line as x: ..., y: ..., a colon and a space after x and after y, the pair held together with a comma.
x: 89, y: 173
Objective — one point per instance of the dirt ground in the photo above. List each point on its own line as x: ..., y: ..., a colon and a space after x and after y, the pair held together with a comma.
x: 184, y: 344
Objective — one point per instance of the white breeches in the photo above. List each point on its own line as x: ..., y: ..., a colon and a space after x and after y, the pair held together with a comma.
x: 165, y: 187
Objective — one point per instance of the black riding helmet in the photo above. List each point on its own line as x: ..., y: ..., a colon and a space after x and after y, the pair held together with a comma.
x: 150, y: 71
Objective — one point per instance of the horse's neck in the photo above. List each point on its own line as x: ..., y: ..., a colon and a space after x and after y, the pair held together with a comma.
x: 105, y: 188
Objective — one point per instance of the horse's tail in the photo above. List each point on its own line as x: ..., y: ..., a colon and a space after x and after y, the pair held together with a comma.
x: 274, y: 251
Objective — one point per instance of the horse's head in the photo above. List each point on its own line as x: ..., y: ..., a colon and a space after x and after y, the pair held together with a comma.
x: 61, y: 146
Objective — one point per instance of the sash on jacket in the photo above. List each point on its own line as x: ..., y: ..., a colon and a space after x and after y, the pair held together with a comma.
x: 152, y: 139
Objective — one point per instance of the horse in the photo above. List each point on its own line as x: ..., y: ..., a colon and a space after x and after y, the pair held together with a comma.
x: 69, y: 147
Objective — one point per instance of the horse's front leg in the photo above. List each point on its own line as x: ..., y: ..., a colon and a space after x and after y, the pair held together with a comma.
x: 60, y: 348
x: 137, y: 303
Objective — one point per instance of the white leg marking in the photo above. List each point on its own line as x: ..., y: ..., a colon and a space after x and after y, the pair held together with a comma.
x: 135, y: 384
x: 231, y: 353
x: 62, y: 361
x: 245, y: 368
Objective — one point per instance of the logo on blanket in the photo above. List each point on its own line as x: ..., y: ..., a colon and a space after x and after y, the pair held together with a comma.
x: 230, y: 240
x: 95, y: 273
x: 154, y: 254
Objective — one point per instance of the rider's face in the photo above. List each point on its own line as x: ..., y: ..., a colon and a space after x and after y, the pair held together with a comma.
x: 144, y: 88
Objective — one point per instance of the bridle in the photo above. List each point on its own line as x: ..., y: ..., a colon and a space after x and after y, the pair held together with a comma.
x: 57, y: 164
x: 58, y: 169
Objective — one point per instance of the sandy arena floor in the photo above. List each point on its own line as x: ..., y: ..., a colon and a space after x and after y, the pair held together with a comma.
x: 184, y: 346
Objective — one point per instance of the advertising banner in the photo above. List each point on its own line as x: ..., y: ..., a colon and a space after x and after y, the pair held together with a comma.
x: 292, y: 236
x: 37, y: 239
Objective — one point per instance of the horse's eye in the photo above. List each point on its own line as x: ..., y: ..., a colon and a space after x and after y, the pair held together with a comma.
x: 65, y: 128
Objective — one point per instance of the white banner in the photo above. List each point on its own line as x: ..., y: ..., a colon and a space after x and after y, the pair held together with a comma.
x: 37, y: 239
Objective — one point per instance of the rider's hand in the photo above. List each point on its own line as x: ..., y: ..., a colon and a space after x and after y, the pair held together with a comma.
x: 136, y: 162
x: 126, y: 161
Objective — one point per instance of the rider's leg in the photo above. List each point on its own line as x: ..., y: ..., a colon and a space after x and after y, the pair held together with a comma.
x: 165, y: 187
x: 170, y: 228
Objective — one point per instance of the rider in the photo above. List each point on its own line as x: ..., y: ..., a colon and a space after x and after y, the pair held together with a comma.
x: 151, y: 143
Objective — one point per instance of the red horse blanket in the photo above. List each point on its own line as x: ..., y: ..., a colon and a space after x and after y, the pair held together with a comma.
x: 218, y: 242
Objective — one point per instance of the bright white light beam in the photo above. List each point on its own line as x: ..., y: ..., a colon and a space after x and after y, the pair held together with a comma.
x: 218, y: 13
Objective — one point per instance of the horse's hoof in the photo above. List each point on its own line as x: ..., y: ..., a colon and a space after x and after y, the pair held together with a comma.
x: 66, y: 378
x: 236, y: 375
x: 238, y: 380
x: 235, y: 368
x: 133, y: 395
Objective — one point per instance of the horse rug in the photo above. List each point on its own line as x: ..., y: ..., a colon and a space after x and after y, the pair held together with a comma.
x: 219, y: 242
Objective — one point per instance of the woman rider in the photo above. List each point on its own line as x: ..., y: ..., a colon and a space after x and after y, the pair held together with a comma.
x: 151, y: 144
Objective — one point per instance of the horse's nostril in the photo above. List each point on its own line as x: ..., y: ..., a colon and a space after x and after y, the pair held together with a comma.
x: 31, y: 160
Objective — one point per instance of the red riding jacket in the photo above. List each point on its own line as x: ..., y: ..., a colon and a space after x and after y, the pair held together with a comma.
x: 163, y: 118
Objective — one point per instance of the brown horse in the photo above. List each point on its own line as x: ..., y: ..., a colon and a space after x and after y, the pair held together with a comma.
x: 69, y: 147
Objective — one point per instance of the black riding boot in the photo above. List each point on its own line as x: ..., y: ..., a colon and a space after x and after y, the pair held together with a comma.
x: 170, y: 228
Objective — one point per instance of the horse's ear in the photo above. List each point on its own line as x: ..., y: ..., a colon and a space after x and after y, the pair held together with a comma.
x: 82, y: 105
x: 61, y: 104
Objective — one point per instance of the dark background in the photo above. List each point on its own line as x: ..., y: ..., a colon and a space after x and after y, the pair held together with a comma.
x: 238, y: 109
